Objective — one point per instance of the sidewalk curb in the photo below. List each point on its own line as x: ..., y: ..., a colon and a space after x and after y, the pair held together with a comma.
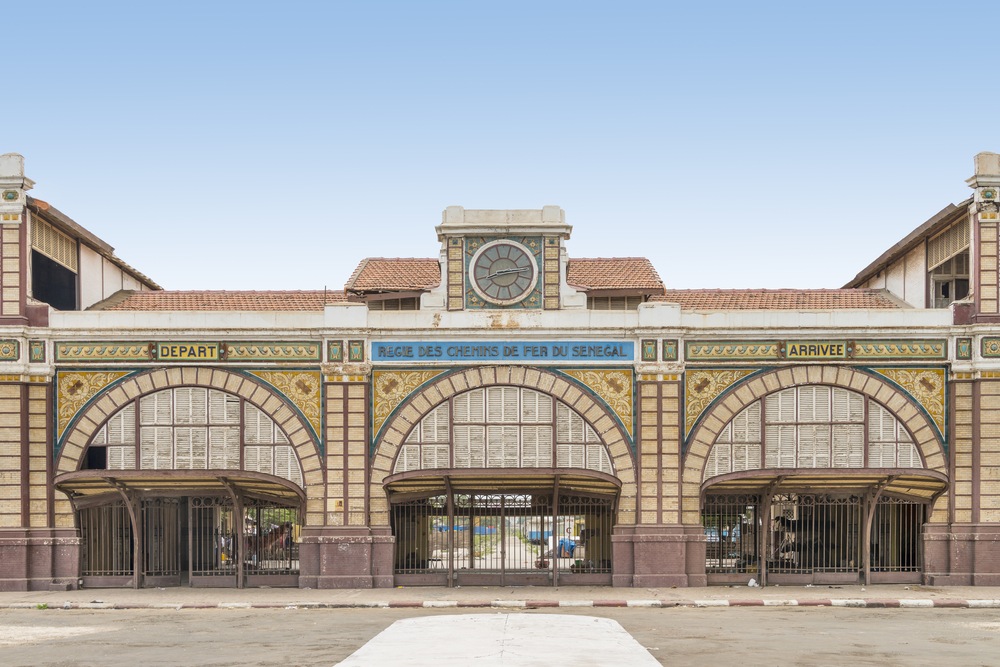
x: 849, y: 603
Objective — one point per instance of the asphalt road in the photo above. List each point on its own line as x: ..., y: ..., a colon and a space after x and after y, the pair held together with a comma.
x: 675, y: 636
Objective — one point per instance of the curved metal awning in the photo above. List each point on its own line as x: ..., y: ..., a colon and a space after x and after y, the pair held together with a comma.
x: 84, y: 484
x: 428, y: 483
x: 915, y: 483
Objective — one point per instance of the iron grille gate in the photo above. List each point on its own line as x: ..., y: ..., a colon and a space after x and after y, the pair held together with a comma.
x: 503, y: 539
x: 811, y: 538
x: 194, y: 539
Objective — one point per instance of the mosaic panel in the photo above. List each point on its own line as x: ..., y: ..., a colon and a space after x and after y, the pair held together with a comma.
x: 990, y: 347
x: 670, y: 350
x: 391, y: 388
x: 302, y: 388
x: 926, y: 385
x: 10, y: 350
x: 963, y: 348
x: 304, y: 351
x: 74, y: 389
x: 335, y: 350
x: 36, y: 351
x: 103, y: 352
x: 614, y: 387
x: 355, y: 350
x: 649, y: 350
x: 701, y: 387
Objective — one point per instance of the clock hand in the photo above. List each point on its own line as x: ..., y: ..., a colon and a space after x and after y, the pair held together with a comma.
x: 504, y: 272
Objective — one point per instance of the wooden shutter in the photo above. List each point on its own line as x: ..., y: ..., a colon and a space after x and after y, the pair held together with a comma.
x: 470, y: 446
x: 223, y: 408
x: 536, y: 446
x: 156, y: 448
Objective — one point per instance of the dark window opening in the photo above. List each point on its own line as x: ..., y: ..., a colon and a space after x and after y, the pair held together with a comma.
x: 97, y: 458
x: 52, y: 282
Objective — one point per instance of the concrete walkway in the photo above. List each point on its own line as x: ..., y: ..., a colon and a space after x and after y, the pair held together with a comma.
x: 904, y: 596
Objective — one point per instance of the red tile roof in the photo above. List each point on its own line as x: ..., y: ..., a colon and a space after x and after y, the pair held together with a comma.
x: 292, y: 300
x: 402, y: 274
x: 614, y: 273
x: 380, y: 274
x: 780, y: 299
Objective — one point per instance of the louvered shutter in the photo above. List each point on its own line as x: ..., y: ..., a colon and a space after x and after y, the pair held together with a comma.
x: 408, y: 459
x: 121, y: 458
x: 470, y: 446
x: 258, y: 458
x: 257, y: 426
x: 570, y: 455
x: 501, y: 447
x: 189, y: 448
x: 121, y: 427
x: 223, y: 408
x: 536, y: 446
x: 434, y: 456
x: 909, y: 456
x: 286, y: 464
x: 190, y: 405
x: 434, y: 427
x: 224, y: 447
x: 726, y: 435
x: 279, y: 436
x: 502, y: 405
x: 780, y: 451
x: 780, y: 407
x: 723, y: 454
x: 101, y: 438
x: 156, y: 448
x: 597, y: 459
x: 156, y: 408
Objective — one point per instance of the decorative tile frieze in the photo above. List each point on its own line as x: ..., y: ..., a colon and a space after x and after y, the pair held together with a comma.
x: 335, y: 350
x: 732, y: 351
x: 670, y: 350
x: 36, y: 351
x: 302, y: 388
x: 819, y: 350
x: 103, y: 352
x: 701, y: 387
x: 291, y: 351
x: 963, y: 348
x: 355, y: 351
x: 189, y: 351
x: 649, y: 349
x: 915, y: 350
x: 75, y: 388
x: 926, y: 385
x: 614, y: 387
x: 390, y: 388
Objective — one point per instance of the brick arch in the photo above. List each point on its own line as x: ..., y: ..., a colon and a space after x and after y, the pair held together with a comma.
x: 422, y: 402
x: 897, y: 401
x: 112, y: 399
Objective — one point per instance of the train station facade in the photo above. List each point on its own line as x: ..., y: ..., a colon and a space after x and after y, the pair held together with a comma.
x: 498, y: 413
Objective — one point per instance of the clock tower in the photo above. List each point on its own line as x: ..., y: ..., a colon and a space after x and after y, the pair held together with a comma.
x: 505, y: 259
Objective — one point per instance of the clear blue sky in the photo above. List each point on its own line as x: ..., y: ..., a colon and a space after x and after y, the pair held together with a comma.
x: 252, y: 145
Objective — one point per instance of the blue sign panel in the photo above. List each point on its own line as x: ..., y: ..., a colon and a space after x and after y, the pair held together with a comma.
x: 533, y: 351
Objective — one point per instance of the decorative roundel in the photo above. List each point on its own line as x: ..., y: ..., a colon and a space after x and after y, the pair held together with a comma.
x: 503, y: 272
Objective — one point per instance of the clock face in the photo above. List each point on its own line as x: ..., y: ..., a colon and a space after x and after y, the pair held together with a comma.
x: 503, y: 272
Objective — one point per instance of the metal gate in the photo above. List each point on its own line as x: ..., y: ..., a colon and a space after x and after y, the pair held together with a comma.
x: 193, y: 540
x: 503, y: 539
x: 811, y: 538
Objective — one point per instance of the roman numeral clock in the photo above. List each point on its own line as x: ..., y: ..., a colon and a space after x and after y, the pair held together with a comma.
x: 504, y: 272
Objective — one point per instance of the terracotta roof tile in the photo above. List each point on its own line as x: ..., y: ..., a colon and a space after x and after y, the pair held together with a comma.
x: 402, y: 274
x: 289, y: 301
x: 613, y: 273
x: 780, y: 299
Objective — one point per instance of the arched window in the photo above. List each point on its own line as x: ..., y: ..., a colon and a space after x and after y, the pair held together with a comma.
x: 195, y: 428
x: 503, y: 427
x: 812, y: 427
